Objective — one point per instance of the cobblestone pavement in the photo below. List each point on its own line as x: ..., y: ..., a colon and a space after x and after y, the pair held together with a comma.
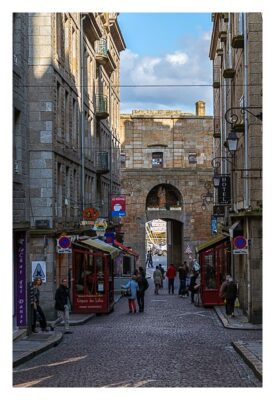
x: 172, y: 344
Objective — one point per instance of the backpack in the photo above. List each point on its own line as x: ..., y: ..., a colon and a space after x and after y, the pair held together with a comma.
x: 146, y: 284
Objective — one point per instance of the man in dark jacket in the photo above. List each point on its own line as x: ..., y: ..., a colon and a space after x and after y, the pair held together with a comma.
x: 62, y: 304
x: 229, y: 291
x: 142, y: 286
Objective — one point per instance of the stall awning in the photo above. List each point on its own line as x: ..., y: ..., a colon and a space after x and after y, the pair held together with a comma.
x: 100, y: 245
x: 232, y: 228
x: 210, y: 243
x: 126, y: 249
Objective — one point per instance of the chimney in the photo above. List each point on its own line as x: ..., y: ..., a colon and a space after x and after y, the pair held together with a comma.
x: 200, y: 108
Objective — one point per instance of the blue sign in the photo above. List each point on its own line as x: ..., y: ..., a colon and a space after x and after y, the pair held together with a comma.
x: 214, y: 225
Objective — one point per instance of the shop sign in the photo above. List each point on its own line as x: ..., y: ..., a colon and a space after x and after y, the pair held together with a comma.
x: 21, y: 283
x: 240, y: 245
x: 118, y: 205
x: 218, y: 211
x: 224, y: 192
x: 39, y: 270
x: 64, y: 245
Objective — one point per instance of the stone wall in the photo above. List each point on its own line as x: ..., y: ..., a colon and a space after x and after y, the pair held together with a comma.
x: 185, y: 141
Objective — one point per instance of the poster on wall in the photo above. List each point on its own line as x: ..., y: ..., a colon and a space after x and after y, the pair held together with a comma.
x: 39, y: 270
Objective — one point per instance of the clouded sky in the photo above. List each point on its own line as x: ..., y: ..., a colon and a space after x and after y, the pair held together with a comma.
x: 166, y: 49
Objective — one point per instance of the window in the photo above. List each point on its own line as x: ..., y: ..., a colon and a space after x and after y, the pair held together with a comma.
x: 157, y: 160
x: 122, y: 160
x: 192, y: 158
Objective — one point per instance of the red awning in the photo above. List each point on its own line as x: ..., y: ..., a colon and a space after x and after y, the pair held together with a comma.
x: 125, y: 248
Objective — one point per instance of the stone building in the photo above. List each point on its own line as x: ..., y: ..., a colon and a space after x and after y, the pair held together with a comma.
x: 236, y: 52
x: 166, y: 169
x: 66, y: 71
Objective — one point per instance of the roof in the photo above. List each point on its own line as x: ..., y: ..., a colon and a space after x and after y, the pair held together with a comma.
x: 210, y: 243
x: 126, y: 249
x: 100, y: 245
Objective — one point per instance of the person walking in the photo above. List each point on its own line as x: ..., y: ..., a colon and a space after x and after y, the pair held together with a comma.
x: 149, y: 259
x: 194, y: 284
x: 171, y: 274
x: 182, y: 280
x: 157, y: 276
x: 62, y: 305
x: 38, y: 313
x: 133, y: 286
x: 163, y: 275
x: 228, y: 292
x: 142, y: 287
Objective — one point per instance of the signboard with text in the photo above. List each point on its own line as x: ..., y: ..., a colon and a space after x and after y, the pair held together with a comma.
x: 224, y: 190
x: 118, y: 206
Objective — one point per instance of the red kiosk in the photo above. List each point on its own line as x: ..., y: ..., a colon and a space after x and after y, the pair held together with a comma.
x: 93, y: 276
x: 214, y: 259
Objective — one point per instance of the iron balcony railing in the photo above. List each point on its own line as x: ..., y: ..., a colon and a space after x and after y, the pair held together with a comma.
x: 102, y: 106
x: 102, y: 162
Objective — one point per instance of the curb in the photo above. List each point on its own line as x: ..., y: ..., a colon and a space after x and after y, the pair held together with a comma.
x: 226, y: 323
x: 253, y: 362
x: 29, y: 355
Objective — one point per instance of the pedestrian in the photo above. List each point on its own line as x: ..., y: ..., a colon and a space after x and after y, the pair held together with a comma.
x: 63, y: 305
x: 171, y: 274
x: 157, y: 276
x: 38, y: 313
x: 194, y: 284
x: 163, y: 275
x: 142, y: 287
x: 149, y: 259
x: 182, y: 280
x: 228, y: 292
x: 133, y: 286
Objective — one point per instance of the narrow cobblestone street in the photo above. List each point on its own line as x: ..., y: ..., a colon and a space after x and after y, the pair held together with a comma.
x: 172, y: 344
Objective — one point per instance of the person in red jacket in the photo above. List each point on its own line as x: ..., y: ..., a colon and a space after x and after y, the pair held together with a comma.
x: 171, y: 274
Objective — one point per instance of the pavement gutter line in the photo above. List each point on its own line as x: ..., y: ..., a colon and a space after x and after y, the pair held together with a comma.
x: 250, y: 359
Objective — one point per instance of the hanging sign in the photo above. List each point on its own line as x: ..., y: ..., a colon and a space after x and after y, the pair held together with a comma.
x: 240, y: 245
x: 214, y: 225
x: 39, y: 270
x: 224, y: 192
x: 118, y: 206
x: 188, y: 250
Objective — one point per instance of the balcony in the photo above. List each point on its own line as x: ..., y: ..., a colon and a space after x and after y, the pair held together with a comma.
x: 102, y: 51
x: 101, y: 108
x: 216, y: 77
x: 102, y: 162
x: 217, y: 128
x: 229, y: 73
x: 237, y: 41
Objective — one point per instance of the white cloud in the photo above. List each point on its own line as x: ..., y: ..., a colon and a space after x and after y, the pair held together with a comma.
x: 177, y: 58
x: 189, y: 65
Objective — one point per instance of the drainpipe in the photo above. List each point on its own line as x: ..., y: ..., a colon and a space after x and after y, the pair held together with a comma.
x: 246, y: 183
x: 82, y: 112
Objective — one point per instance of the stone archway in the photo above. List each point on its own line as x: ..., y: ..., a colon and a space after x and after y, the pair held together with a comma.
x: 164, y: 201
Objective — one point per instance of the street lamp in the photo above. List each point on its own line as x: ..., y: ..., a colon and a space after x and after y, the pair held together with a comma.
x: 232, y: 142
x: 206, y: 197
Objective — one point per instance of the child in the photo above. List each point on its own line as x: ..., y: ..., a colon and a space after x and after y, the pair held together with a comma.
x: 133, y: 285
